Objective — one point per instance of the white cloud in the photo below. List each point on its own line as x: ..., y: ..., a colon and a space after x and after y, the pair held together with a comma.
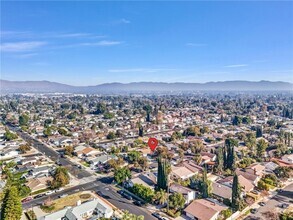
x: 145, y: 70
x: 22, y: 46
x: 25, y: 55
x: 236, y: 65
x: 101, y: 43
x: 195, y: 45
x: 124, y: 21
x: 120, y: 21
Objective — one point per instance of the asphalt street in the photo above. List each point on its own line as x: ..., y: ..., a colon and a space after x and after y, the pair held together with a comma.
x: 108, y: 192
x: 272, y: 204
x: 103, y: 185
x: 53, y: 155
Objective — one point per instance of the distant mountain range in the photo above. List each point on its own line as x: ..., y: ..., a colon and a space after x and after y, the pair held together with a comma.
x: 140, y: 87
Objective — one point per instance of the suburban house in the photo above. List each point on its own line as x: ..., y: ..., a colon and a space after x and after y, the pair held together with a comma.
x: 192, y: 166
x: 204, y: 209
x: 8, y: 152
x: 181, y: 172
x: 221, y: 191
x: 270, y: 167
x: 94, y: 209
x: 40, y: 183
x: 246, y: 184
x: 28, y: 160
x: 188, y: 193
x: 102, y: 159
x: 288, y: 158
x: 147, y: 179
x: 40, y: 171
x: 256, y: 169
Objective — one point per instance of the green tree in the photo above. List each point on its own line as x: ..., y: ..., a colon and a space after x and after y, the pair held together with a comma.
x: 111, y: 135
x: 259, y: 131
x: 176, y: 201
x: 23, y: 120
x: 283, y: 172
x: 68, y: 150
x: 24, y: 148
x: 140, y: 131
x: 101, y: 108
x: 220, y: 161
x: 11, y: 208
x: 229, y: 153
x: 237, y: 120
x: 161, y: 197
x: 250, y: 140
x: 236, y: 194
x: 261, y: 147
x: 121, y: 174
x: 143, y: 192
x: 130, y: 216
x: 48, y: 132
x: 60, y: 177
x: 205, y: 185
x: 8, y: 135
x: 133, y: 156
x: 162, y: 180
x: 148, y: 110
x: 143, y: 163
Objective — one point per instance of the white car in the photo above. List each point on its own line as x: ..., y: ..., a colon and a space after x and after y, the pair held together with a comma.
x: 58, y: 190
x: 49, y: 192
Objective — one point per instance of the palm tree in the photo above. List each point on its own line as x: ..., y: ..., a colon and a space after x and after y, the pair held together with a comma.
x: 161, y: 197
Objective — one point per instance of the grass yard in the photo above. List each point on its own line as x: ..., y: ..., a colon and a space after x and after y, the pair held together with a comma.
x: 70, y: 200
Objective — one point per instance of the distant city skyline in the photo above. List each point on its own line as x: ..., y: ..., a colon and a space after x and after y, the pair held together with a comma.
x: 90, y: 43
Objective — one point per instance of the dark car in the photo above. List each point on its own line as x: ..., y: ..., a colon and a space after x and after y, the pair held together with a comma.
x: 157, y: 215
x: 261, y: 203
x: 39, y: 196
x: 100, y: 193
x: 126, y: 196
x: 138, y: 203
x: 253, y: 211
x: 26, y: 199
x: 284, y: 205
x: 121, y: 192
x: 280, y: 190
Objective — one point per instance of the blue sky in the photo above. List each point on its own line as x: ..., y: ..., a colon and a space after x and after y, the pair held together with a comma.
x: 88, y: 43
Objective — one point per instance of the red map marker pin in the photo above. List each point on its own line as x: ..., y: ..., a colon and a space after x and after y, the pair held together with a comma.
x: 153, y: 142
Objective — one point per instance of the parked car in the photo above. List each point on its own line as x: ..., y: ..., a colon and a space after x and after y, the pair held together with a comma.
x: 279, y: 190
x: 138, y: 203
x: 255, y: 192
x: 39, y: 196
x: 261, y: 203
x: 63, y: 195
x: 100, y: 193
x: 126, y: 196
x: 284, y: 205
x: 27, y: 199
x: 157, y: 215
x: 121, y: 192
x: 49, y: 192
x: 253, y: 211
x: 58, y: 190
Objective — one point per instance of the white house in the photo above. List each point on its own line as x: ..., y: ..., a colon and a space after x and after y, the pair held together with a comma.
x: 188, y: 193
x: 93, y: 209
